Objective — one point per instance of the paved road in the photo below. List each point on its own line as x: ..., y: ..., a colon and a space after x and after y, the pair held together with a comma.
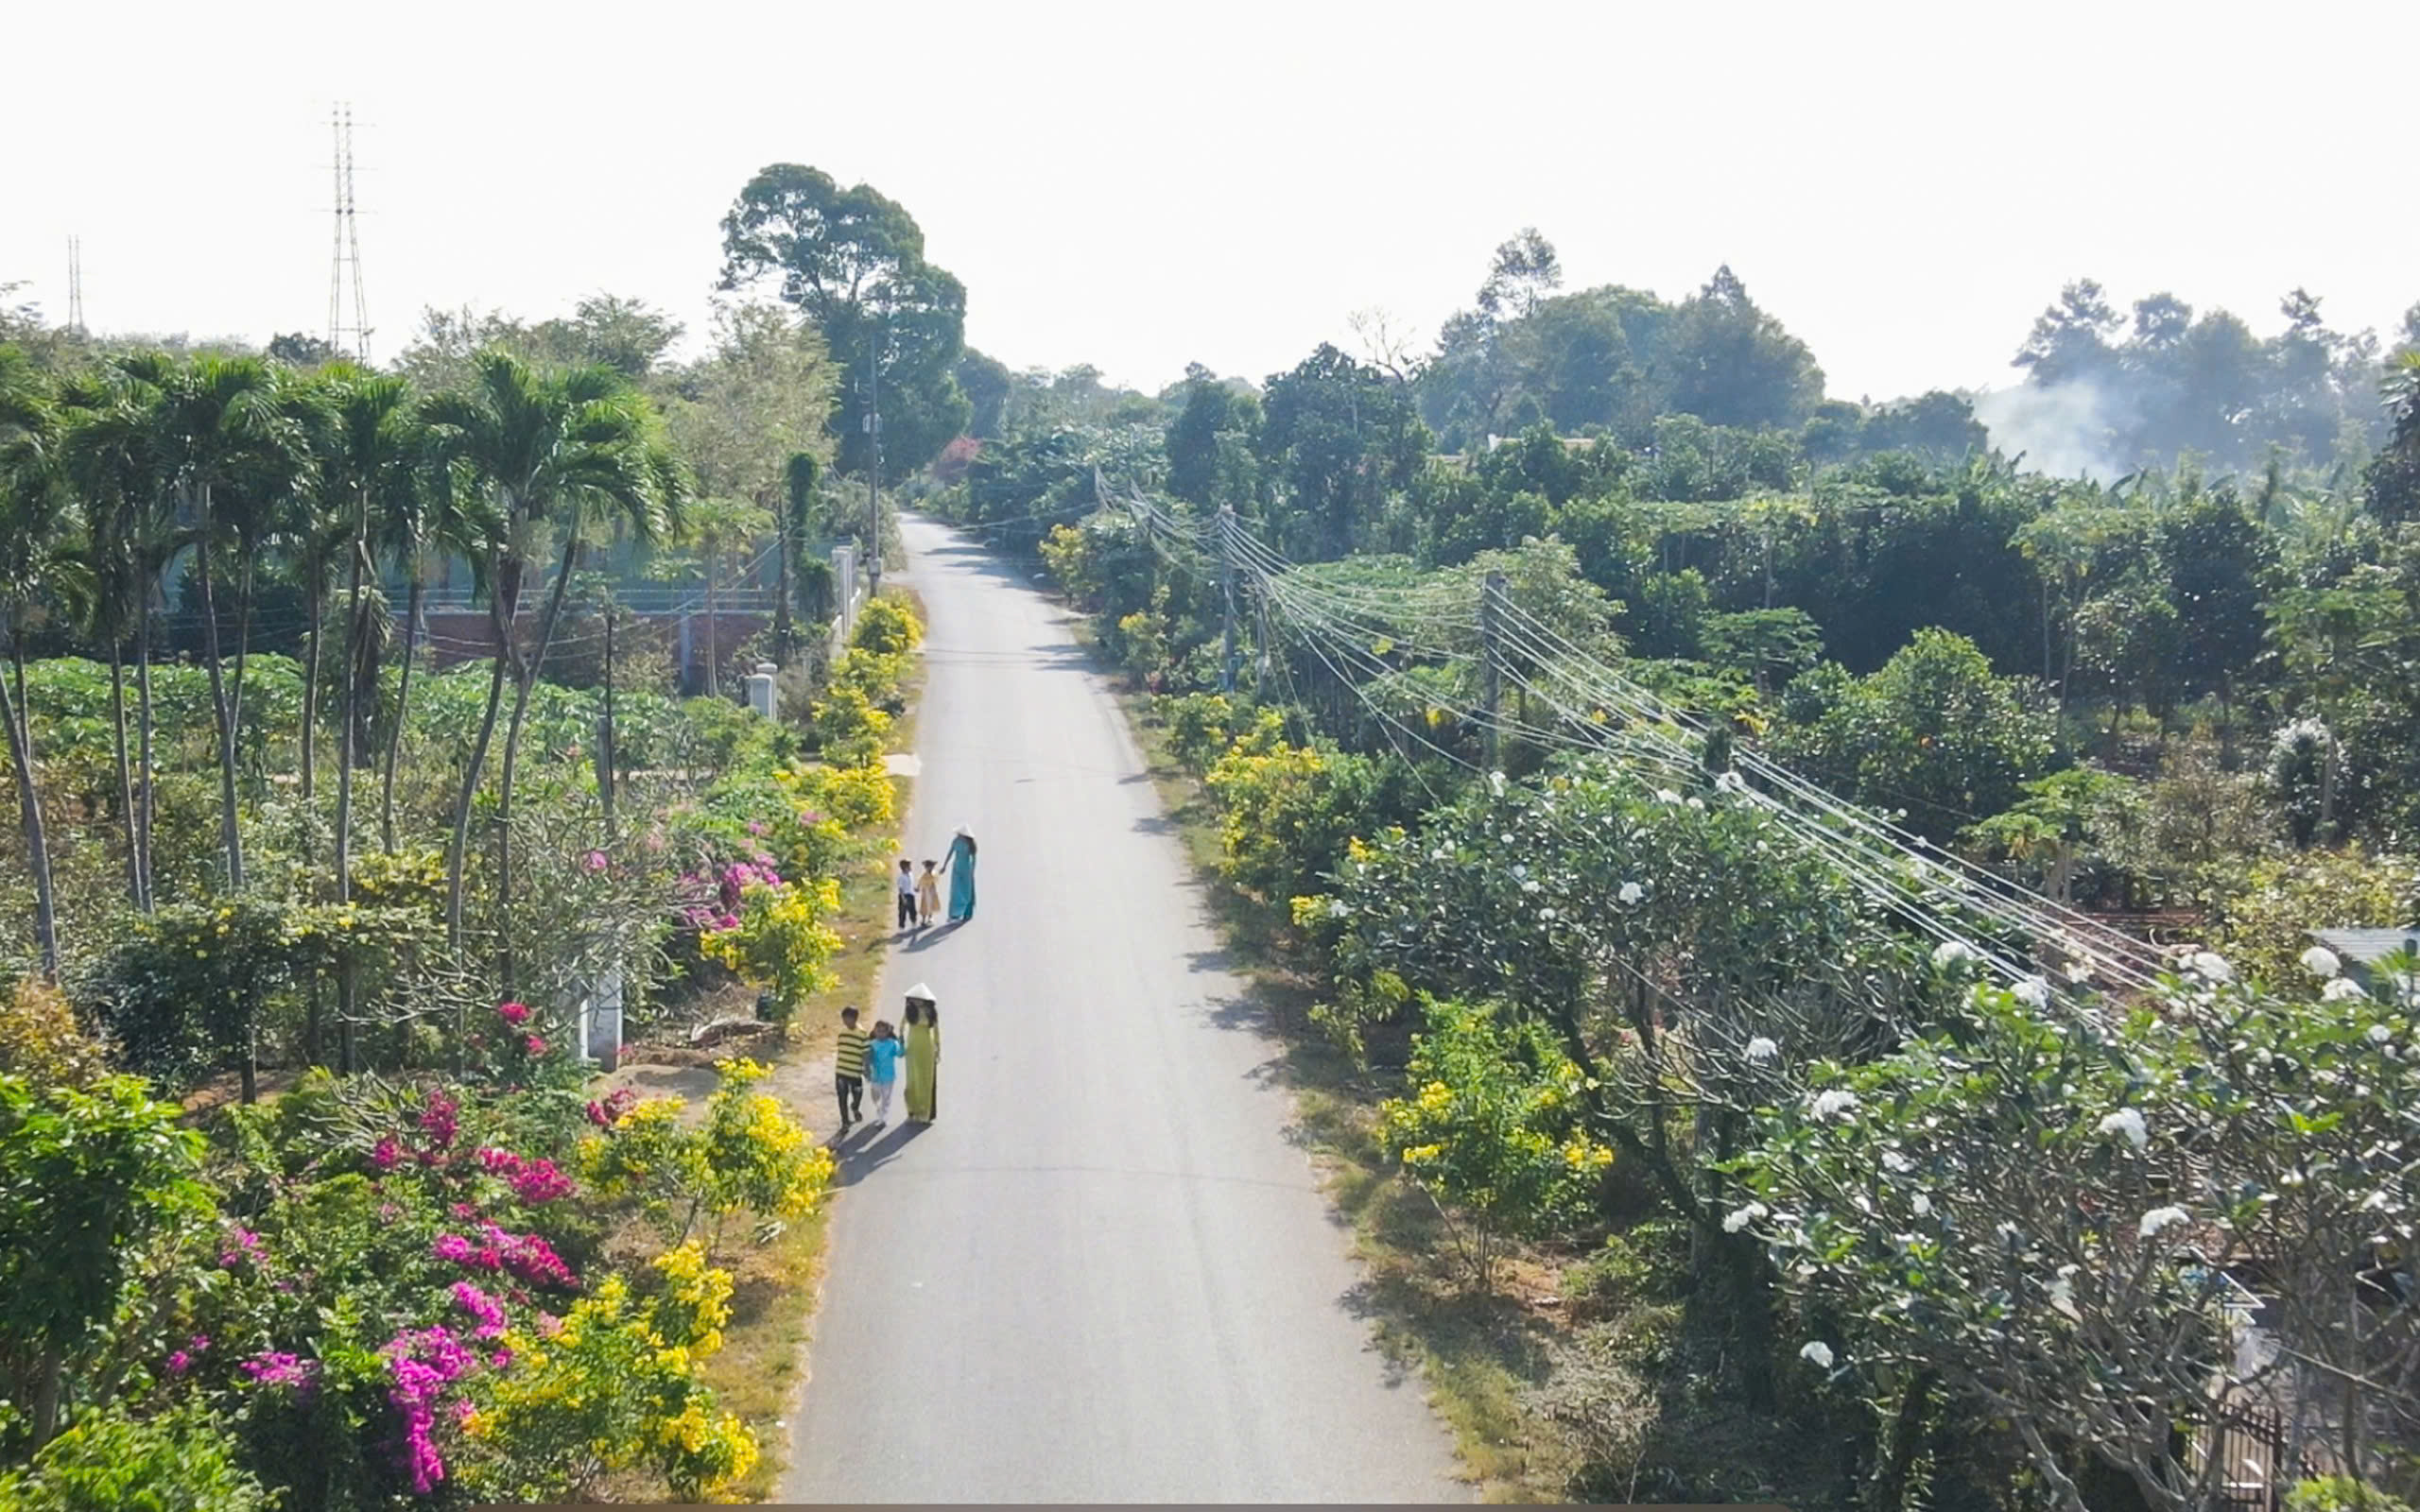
x: 1103, y: 1274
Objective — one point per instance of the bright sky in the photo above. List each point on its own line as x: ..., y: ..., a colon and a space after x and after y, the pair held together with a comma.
x: 1137, y: 186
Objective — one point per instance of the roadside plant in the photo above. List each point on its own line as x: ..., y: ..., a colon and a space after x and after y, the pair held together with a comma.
x: 1493, y: 1132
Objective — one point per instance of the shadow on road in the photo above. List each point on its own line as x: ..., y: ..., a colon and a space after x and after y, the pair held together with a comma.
x: 860, y: 1155
x: 925, y: 939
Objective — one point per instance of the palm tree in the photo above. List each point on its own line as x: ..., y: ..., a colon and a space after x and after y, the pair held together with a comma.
x: 37, y: 523
x: 558, y: 450
x: 130, y: 542
x: 207, y: 426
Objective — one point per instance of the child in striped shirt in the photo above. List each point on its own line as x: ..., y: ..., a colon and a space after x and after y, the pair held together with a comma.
x: 849, y: 1070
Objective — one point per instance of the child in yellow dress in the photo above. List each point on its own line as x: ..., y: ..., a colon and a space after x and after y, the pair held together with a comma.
x: 928, y: 894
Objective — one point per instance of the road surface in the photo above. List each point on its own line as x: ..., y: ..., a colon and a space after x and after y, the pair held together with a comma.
x: 1103, y: 1274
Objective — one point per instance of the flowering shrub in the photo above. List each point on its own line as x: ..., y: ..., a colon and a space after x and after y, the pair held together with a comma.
x: 747, y: 1156
x: 779, y: 940
x: 856, y: 798
x: 886, y: 627
x: 1288, y: 811
x: 845, y: 724
x: 2027, y: 1207
x: 616, y: 1384
x: 1494, y: 1133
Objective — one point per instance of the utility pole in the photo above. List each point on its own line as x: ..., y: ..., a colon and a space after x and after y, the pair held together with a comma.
x: 1492, y: 648
x: 874, y: 469
x: 605, y: 724
x: 1227, y: 575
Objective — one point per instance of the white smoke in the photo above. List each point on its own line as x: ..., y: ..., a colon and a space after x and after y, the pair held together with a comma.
x: 2070, y: 430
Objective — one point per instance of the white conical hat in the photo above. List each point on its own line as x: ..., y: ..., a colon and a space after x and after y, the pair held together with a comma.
x: 920, y: 993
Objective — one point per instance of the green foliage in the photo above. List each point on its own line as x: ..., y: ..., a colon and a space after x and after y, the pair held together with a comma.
x: 2270, y: 908
x: 2340, y: 1493
x: 2024, y: 1208
x: 1201, y: 725
x: 109, y: 1462
x: 1494, y: 1132
x: 1933, y: 733
x: 91, y: 1181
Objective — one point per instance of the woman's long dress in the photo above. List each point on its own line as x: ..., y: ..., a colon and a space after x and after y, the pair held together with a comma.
x: 923, y: 1070
x: 961, y: 880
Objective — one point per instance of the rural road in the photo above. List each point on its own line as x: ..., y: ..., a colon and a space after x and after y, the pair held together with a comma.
x: 1103, y: 1274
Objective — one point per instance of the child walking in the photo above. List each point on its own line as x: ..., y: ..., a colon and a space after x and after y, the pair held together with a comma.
x: 906, y: 894
x: 882, y: 1067
x: 849, y: 1070
x: 929, y: 895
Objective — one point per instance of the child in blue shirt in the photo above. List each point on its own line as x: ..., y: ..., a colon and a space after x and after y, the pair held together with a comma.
x: 881, y: 1068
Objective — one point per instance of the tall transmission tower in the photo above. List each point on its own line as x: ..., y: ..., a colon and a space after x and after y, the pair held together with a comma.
x: 76, y: 284
x: 345, y: 268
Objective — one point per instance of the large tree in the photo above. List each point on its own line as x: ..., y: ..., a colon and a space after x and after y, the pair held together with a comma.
x: 37, y: 523
x: 1725, y: 360
x: 855, y: 261
x: 1341, y: 437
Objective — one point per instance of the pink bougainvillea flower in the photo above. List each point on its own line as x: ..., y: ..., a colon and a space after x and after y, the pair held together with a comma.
x: 540, y: 1182
x: 534, y: 1045
x: 485, y: 1309
x: 596, y: 861
x: 514, y: 1013
x: 275, y: 1367
x: 180, y: 1362
x: 384, y: 1155
x: 441, y: 1119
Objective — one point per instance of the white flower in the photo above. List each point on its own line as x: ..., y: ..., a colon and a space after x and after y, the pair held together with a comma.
x: 2080, y: 970
x: 2129, y: 1121
x: 2342, y: 990
x: 1665, y: 795
x: 2380, y: 1034
x: 1731, y: 782
x: 2033, y: 993
x: 1761, y: 1048
x: 2159, y: 1219
x: 1837, y: 1103
x: 1698, y: 803
x: 2321, y: 961
x: 1897, y: 1163
x: 1630, y: 893
x: 1740, y: 1218
x: 1337, y: 908
x: 1817, y: 1353
x: 2062, y: 1293
x: 1495, y: 782
x: 2212, y: 967
x: 1923, y: 1205
x: 1950, y: 953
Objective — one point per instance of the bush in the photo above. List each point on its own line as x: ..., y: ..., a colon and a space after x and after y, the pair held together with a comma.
x: 109, y: 1462
x: 42, y: 1040
x: 2276, y: 903
x: 618, y: 1382
x: 748, y: 1155
x: 1291, y: 811
x: 1494, y: 1133
x: 1200, y: 728
x: 782, y: 941
x: 886, y: 627
x: 2340, y: 1493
